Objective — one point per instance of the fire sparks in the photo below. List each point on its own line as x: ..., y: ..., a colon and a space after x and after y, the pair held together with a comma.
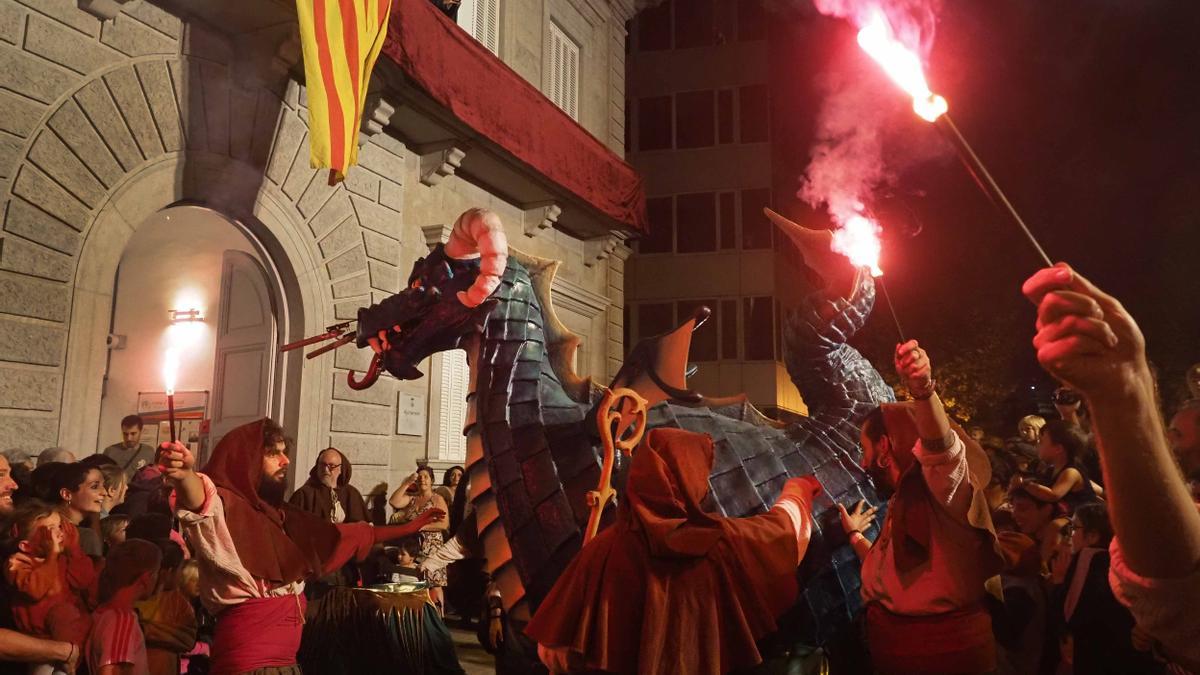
x: 858, y: 240
x: 170, y: 371
x: 901, y: 64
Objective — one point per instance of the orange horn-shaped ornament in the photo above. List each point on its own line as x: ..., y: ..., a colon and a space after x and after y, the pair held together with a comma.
x: 816, y: 247
x: 479, y: 233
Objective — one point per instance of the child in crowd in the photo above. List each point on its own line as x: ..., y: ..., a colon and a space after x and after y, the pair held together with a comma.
x: 44, y: 604
x: 168, y: 620
x: 116, y: 645
x: 1061, y: 447
x: 189, y: 585
x: 112, y: 530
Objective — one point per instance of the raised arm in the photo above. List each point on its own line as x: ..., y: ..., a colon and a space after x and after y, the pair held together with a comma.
x: 1086, y: 339
x: 400, y: 498
x: 178, y: 465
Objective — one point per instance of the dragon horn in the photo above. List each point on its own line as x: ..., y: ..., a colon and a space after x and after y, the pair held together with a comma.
x: 479, y: 232
x: 816, y: 247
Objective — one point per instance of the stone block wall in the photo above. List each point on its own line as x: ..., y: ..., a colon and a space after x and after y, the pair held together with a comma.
x: 107, y: 122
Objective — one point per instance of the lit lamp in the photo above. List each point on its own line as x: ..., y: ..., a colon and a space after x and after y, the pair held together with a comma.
x: 185, y: 315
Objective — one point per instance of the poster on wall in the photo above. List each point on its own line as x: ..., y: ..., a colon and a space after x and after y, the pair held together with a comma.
x: 191, y: 417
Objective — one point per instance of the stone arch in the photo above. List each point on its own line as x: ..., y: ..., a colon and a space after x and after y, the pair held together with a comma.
x: 115, y: 143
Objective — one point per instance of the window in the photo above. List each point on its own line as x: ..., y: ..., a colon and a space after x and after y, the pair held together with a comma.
x: 727, y: 217
x: 452, y: 444
x: 694, y: 23
x: 660, y: 215
x: 694, y: 119
x: 704, y: 338
x: 756, y: 229
x: 563, y: 69
x: 654, y: 123
x: 481, y: 18
x: 725, y: 116
x: 754, y: 117
x: 752, y: 22
x: 729, y: 329
x: 696, y: 221
x: 654, y: 28
x: 759, y: 326
x: 655, y: 318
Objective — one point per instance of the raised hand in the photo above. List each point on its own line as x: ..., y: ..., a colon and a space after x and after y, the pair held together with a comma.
x: 859, y: 519
x: 175, y: 460
x: 912, y: 365
x: 1085, y: 338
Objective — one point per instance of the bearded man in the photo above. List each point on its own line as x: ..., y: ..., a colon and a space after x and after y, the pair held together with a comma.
x: 255, y: 550
x: 328, y: 495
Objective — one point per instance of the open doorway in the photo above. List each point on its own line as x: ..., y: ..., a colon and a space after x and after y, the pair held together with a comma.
x: 194, y: 283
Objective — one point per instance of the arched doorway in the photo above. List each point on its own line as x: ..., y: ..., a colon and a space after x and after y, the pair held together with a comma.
x: 195, y: 283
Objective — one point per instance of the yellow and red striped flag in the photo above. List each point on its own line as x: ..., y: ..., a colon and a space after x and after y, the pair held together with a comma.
x: 341, y: 39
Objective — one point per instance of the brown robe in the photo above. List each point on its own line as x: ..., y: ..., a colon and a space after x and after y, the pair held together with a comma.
x: 669, y: 588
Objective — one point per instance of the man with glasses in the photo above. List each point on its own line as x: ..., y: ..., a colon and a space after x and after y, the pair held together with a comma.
x: 328, y: 495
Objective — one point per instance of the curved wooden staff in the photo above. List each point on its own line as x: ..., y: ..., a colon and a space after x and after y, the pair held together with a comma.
x: 621, y: 419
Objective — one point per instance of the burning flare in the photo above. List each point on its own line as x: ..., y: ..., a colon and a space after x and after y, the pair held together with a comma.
x: 858, y: 240
x: 170, y: 371
x: 901, y: 64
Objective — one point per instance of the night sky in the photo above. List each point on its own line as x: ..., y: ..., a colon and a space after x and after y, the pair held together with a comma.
x: 1088, y: 115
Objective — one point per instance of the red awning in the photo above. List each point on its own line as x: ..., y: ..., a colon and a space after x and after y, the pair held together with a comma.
x: 480, y: 90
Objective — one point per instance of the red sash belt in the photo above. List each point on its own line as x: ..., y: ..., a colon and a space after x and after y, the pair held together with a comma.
x: 258, y: 633
x: 954, y: 643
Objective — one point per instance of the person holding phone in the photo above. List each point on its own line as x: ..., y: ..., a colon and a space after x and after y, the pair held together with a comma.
x: 414, y: 497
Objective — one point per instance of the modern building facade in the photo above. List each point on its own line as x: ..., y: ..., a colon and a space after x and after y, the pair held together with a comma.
x: 157, y: 195
x: 700, y: 132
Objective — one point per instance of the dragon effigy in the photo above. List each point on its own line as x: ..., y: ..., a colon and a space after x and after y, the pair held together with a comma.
x: 535, y: 457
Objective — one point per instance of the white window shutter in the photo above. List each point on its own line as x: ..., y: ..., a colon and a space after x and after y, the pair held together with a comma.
x: 481, y: 18
x: 452, y: 445
x: 564, y: 71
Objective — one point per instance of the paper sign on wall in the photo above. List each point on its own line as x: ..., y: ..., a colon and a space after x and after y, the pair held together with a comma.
x: 410, y: 415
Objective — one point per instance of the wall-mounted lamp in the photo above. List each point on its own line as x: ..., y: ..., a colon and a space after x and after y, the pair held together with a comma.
x: 185, y: 315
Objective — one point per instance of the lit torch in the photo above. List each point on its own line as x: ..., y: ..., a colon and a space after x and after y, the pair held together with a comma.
x: 170, y: 374
x: 904, y: 67
x: 858, y: 240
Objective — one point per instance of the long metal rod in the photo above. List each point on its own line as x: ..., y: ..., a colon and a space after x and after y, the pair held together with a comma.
x: 888, y: 299
x: 985, y: 181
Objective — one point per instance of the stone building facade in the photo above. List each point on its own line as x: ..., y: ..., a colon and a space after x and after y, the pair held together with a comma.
x: 120, y: 113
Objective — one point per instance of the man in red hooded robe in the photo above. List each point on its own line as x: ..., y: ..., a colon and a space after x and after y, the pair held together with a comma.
x: 669, y: 587
x: 255, y: 550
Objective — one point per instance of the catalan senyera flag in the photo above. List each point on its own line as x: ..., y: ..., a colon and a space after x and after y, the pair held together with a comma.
x: 341, y: 39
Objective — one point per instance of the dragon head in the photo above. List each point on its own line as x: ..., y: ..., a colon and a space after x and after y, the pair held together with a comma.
x: 447, y: 297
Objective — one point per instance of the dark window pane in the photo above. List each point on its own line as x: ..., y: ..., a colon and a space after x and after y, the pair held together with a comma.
x: 660, y: 239
x: 752, y: 24
x: 725, y: 116
x: 704, y: 339
x: 696, y: 218
x: 759, y: 328
x: 756, y: 229
x: 729, y: 329
x: 728, y: 214
x: 693, y: 23
x: 655, y: 318
x: 654, y: 123
x: 694, y: 119
x: 654, y: 28
x: 754, y: 116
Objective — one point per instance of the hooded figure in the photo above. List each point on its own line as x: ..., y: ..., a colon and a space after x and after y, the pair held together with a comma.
x: 255, y: 549
x: 317, y: 496
x: 670, y: 588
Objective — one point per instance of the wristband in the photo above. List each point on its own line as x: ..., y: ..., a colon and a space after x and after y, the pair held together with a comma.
x: 851, y: 533
x: 925, y: 393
